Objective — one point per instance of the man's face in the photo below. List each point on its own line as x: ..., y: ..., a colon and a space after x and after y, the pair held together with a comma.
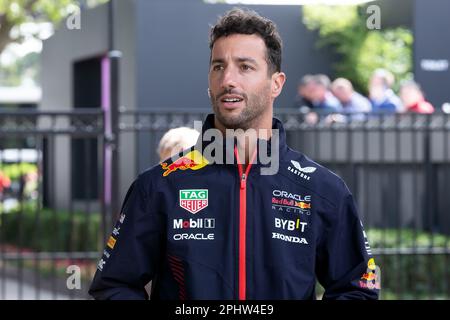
x: 343, y: 94
x: 410, y: 96
x: 241, y: 88
x: 377, y: 88
x: 318, y: 92
x: 313, y: 92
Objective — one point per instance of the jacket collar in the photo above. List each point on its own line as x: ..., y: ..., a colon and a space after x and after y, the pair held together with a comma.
x: 204, y: 141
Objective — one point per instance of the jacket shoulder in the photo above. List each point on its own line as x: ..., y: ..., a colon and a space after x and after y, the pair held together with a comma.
x: 314, y: 176
x: 187, y: 161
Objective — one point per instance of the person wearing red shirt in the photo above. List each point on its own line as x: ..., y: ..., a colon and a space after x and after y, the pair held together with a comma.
x: 413, y: 98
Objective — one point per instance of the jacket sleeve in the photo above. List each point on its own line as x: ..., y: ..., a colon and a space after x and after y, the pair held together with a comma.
x: 132, y: 252
x: 344, y: 265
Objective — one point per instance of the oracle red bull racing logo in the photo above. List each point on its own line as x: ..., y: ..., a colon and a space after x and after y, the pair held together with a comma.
x: 194, y: 200
x: 291, y: 202
x: 192, y: 161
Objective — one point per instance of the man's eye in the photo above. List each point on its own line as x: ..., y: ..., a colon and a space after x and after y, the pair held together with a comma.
x: 217, y: 67
x: 246, y: 67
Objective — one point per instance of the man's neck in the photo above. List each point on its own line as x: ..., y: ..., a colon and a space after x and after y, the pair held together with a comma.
x: 247, y: 142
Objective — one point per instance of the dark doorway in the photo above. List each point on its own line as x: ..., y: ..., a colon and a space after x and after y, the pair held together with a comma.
x: 86, y: 95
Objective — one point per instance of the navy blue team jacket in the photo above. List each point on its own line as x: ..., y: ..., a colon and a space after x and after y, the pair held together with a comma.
x: 202, y: 230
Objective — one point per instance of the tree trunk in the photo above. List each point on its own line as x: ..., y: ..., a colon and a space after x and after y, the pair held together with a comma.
x: 5, y: 29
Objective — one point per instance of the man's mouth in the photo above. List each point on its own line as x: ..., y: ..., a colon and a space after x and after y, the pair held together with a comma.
x: 231, y: 101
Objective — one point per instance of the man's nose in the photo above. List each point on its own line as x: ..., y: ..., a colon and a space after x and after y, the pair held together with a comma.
x: 229, y: 78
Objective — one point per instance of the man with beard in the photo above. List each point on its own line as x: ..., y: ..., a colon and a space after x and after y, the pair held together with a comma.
x: 203, y: 227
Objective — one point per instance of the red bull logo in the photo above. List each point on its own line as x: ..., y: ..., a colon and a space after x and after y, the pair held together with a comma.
x: 369, y: 276
x: 193, y: 161
x: 303, y: 205
x: 182, y: 164
x: 371, y: 279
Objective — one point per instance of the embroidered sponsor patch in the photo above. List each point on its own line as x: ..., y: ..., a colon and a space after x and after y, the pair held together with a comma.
x: 194, y: 200
x: 111, y: 242
x: 302, y: 172
x: 194, y: 160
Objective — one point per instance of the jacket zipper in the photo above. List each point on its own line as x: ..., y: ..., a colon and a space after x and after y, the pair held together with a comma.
x: 242, y: 274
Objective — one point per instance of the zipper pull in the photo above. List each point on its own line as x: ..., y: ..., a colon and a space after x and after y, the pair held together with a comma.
x: 243, y: 181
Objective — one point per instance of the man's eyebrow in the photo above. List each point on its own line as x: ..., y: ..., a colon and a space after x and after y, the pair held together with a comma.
x: 217, y: 61
x: 239, y: 59
x: 247, y: 59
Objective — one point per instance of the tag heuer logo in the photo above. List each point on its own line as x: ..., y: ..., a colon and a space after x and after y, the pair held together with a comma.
x: 194, y: 200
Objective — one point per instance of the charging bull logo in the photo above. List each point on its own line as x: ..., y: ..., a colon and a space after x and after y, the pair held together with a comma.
x: 193, y: 161
x: 369, y: 276
x: 303, y: 205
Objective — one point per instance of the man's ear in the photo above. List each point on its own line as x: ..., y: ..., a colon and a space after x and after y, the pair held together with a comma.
x: 278, y: 80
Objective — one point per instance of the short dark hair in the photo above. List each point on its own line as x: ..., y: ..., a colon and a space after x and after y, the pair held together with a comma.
x: 240, y: 21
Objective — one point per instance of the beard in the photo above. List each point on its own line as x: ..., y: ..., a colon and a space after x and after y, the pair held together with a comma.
x: 256, y: 105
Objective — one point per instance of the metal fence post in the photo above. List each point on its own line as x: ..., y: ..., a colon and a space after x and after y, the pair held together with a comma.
x: 110, y: 106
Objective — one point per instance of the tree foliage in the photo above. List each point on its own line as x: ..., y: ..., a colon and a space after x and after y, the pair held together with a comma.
x: 13, y: 14
x: 360, y: 50
x: 16, y: 12
x: 27, y: 67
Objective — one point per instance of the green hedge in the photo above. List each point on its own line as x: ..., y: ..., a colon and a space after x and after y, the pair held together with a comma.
x: 412, y: 276
x: 52, y: 231
x: 405, y: 238
x: 408, y: 276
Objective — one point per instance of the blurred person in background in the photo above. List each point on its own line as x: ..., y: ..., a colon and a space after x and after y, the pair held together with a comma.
x: 413, y: 98
x: 381, y: 95
x: 176, y: 140
x: 303, y: 99
x: 5, y: 183
x: 314, y: 92
x: 351, y: 101
x: 314, y: 95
